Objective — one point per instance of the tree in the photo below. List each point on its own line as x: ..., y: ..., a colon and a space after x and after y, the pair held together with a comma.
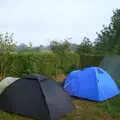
x: 22, y: 46
x: 109, y: 37
x: 60, y: 47
x: 7, y: 45
x: 85, y: 46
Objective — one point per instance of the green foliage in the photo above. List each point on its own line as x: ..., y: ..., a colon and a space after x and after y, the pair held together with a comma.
x: 60, y: 47
x: 50, y: 64
x: 7, y: 43
x: 18, y: 64
x: 88, y: 60
x: 108, y: 39
x: 86, y: 46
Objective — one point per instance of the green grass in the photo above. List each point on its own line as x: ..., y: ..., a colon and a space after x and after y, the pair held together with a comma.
x: 84, y: 110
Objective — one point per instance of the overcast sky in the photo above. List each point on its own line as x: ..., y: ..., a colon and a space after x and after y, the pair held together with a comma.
x: 39, y: 21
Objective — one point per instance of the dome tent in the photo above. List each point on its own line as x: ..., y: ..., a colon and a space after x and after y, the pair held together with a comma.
x: 111, y: 64
x: 4, y: 83
x: 91, y: 83
x: 36, y: 96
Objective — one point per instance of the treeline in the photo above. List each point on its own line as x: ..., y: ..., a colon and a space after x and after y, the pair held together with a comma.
x: 107, y: 41
x: 61, y: 56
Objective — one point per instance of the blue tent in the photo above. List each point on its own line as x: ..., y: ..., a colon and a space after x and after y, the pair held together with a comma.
x: 91, y: 83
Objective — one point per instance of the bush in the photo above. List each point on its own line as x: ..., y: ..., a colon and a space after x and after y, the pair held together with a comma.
x: 44, y: 63
x: 90, y: 60
x: 50, y: 64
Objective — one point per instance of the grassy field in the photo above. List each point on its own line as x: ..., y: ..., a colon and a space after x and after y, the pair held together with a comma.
x: 84, y: 110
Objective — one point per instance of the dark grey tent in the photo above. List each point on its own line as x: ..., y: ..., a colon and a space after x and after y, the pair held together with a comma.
x: 36, y: 96
x: 112, y: 65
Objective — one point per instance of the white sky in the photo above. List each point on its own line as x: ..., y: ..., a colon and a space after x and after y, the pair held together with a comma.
x: 39, y: 21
